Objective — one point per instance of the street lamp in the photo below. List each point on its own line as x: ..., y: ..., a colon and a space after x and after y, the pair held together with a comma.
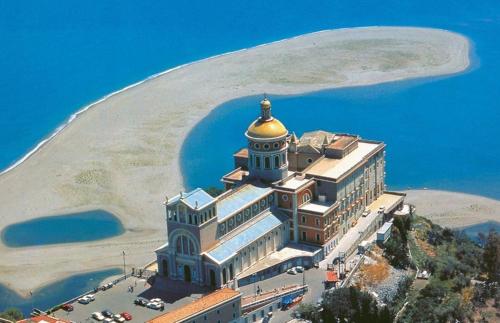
x: 254, y: 289
x: 124, y: 272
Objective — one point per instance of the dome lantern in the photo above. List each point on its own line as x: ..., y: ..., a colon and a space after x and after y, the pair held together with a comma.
x: 266, y: 127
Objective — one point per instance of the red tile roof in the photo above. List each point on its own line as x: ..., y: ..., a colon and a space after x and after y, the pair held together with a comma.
x: 197, y: 307
x: 44, y: 318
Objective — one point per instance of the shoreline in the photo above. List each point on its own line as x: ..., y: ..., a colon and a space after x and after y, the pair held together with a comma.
x: 81, y: 111
x: 130, y: 159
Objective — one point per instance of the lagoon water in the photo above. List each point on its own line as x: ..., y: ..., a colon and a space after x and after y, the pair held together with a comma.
x: 441, y: 133
x: 55, y: 293
x: 76, y: 227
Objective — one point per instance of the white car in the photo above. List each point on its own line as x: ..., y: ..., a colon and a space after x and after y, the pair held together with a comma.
x: 156, y: 300
x: 154, y: 305
x: 108, y: 320
x: 292, y: 271
x: 118, y: 318
x: 97, y: 316
x: 299, y: 269
x: 91, y: 297
x: 84, y: 300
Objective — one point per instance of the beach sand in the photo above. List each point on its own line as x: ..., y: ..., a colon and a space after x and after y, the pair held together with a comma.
x: 122, y: 154
x: 454, y: 210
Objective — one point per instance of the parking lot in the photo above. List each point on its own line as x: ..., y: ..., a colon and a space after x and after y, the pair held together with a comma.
x: 119, y: 299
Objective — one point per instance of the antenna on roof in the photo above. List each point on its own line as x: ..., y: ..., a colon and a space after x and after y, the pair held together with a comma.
x: 195, y: 204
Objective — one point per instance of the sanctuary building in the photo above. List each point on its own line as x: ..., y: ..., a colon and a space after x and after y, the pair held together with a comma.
x: 284, y: 191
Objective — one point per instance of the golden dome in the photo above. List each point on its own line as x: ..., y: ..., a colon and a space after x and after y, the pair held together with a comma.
x: 266, y: 126
x: 267, y: 129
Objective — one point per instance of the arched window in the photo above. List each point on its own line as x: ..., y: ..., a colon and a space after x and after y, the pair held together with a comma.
x: 276, y: 161
x: 231, y: 273
x: 267, y: 163
x: 185, y: 245
x: 224, y: 276
x: 306, y: 197
x: 257, y: 162
x: 190, y: 218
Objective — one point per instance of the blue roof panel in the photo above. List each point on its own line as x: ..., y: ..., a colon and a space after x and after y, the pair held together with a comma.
x: 196, y: 199
x: 226, y: 249
x: 239, y: 199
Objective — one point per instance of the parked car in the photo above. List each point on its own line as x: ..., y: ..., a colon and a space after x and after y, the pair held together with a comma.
x: 106, y: 286
x: 108, y: 320
x: 67, y: 307
x: 156, y: 300
x: 141, y: 301
x: 299, y: 269
x: 97, y: 316
x: 107, y: 313
x: 365, y: 214
x: 292, y: 271
x: 126, y: 316
x: 154, y: 305
x: 91, y: 297
x: 118, y: 318
x: 84, y: 300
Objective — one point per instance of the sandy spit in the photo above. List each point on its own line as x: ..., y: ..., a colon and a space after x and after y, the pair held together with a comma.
x: 454, y: 210
x: 122, y: 154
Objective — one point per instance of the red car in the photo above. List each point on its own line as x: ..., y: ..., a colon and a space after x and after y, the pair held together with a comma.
x: 67, y: 307
x: 126, y: 316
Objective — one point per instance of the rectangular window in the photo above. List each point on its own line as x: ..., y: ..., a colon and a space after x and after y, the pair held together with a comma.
x: 303, y: 219
x: 317, y: 237
x: 257, y: 162
x: 304, y: 235
x: 317, y: 222
x: 276, y: 162
x: 267, y: 163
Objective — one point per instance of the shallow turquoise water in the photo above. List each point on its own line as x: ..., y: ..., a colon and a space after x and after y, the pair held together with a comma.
x: 76, y: 227
x: 55, y: 293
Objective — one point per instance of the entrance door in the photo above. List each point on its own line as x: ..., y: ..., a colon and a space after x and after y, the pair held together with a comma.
x: 212, y: 279
x: 165, y: 267
x: 187, y: 273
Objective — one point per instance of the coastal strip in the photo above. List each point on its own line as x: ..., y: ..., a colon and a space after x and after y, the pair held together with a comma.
x: 121, y: 154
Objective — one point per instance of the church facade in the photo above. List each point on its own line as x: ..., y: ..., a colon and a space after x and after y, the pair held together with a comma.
x: 308, y: 190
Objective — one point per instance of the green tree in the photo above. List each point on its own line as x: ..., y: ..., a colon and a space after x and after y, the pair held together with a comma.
x: 12, y: 314
x: 491, y: 256
x: 307, y: 311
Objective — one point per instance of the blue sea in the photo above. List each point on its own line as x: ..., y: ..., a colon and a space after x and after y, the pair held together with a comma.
x: 441, y: 132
